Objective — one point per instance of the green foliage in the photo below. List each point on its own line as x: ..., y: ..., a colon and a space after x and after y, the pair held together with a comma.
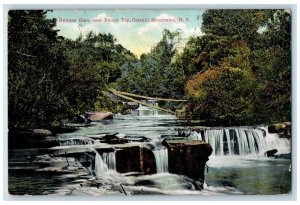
x: 51, y: 78
x: 202, y: 53
x: 240, y: 69
x: 244, y: 66
x: 36, y: 70
x: 272, y: 67
x: 106, y: 102
x: 223, y: 92
x: 274, y: 83
x: 243, y: 23
x: 154, y: 74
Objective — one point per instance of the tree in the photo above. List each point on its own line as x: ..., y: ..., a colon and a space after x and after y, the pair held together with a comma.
x: 155, y: 74
x: 243, y: 23
x: 204, y: 52
x: 256, y: 43
x: 51, y: 78
x: 272, y: 67
x: 225, y: 90
x: 36, y: 70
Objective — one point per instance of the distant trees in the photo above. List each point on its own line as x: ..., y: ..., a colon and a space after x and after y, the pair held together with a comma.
x: 155, y: 74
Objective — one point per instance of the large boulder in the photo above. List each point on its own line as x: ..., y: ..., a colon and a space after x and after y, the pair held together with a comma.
x: 188, y: 158
x: 135, y: 159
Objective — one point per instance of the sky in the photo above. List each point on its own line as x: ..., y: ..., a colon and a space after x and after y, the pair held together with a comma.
x: 138, y: 37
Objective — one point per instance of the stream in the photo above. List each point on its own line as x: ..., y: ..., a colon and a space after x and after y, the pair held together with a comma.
x: 237, y: 165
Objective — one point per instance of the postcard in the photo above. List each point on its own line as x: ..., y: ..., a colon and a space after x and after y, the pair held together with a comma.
x: 126, y: 102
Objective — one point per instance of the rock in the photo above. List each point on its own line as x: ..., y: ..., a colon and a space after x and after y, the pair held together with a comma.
x: 276, y: 128
x: 58, y: 130
x: 137, y: 138
x: 167, y: 145
x: 25, y: 138
x: 284, y: 128
x: 81, y: 119
x: 288, y: 128
x: 145, y: 182
x: 42, y: 132
x: 184, y: 157
x: 135, y: 159
x: 270, y: 153
x: 172, y: 137
x: 97, y: 116
x: 283, y: 156
x: 188, y: 158
x: 113, y: 139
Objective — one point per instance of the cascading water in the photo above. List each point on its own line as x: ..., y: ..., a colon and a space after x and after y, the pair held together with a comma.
x: 100, y: 166
x: 75, y: 141
x: 215, y: 139
x: 274, y: 142
x: 110, y: 160
x: 245, y: 141
x: 161, y: 159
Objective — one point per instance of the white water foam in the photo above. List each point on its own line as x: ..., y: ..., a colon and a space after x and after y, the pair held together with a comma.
x: 79, y: 140
x: 245, y: 141
x: 110, y: 160
x: 273, y: 141
x: 161, y: 159
x: 100, y: 166
x: 194, y: 136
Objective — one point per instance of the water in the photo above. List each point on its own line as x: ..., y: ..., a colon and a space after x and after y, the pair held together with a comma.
x: 215, y: 139
x: 195, y: 136
x: 100, y: 166
x: 148, y: 126
x: 30, y: 182
x: 250, y: 175
x: 79, y: 140
x: 110, y: 160
x: 237, y: 165
x: 245, y: 141
x: 161, y: 159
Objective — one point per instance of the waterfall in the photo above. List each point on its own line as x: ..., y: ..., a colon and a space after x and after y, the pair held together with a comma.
x: 110, y: 160
x: 161, y: 159
x: 245, y: 141
x: 274, y: 142
x: 100, y: 166
x: 75, y: 141
x: 215, y: 139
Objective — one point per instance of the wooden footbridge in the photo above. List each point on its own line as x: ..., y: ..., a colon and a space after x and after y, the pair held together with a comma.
x: 129, y: 96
